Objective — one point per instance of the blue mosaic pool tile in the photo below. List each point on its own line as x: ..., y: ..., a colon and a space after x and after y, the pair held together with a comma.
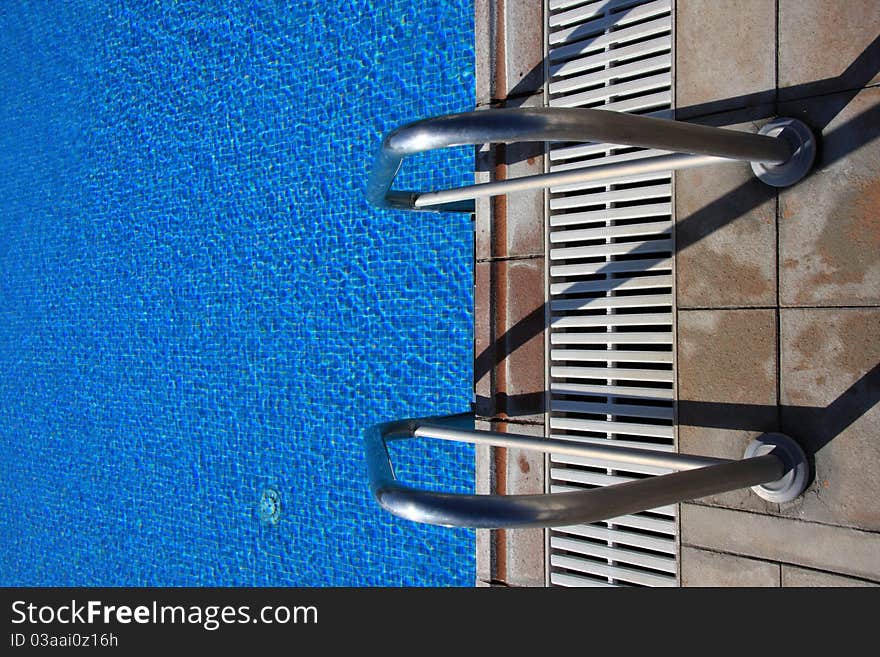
x: 197, y: 305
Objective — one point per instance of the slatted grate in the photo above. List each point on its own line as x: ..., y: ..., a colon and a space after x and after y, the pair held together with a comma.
x: 610, y: 247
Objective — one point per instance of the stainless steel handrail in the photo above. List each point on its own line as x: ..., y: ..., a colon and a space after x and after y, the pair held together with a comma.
x: 781, y: 153
x: 774, y: 465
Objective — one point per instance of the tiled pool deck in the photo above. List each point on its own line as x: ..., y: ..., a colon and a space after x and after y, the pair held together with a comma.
x: 777, y: 291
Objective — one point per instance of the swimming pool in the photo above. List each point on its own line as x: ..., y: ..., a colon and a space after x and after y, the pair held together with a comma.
x: 199, y: 311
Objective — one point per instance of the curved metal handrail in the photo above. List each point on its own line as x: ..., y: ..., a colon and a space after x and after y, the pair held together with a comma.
x: 781, y: 154
x: 774, y: 463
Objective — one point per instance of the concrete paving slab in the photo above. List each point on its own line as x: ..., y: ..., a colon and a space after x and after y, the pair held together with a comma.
x: 725, y: 55
x: 827, y: 46
x: 837, y: 549
x: 830, y: 388
x: 725, y: 235
x: 829, y: 225
x: 793, y: 576
x: 726, y: 388
x: 704, y: 568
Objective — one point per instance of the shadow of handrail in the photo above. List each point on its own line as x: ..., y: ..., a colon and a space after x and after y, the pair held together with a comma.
x: 827, y: 422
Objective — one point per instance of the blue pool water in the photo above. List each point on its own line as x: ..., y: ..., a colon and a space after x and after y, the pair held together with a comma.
x: 198, y: 309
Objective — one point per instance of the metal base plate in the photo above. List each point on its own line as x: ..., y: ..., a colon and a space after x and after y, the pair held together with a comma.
x: 799, y: 164
x: 794, y: 481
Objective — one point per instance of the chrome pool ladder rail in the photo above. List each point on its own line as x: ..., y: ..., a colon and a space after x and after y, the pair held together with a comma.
x: 774, y: 466
x: 781, y: 153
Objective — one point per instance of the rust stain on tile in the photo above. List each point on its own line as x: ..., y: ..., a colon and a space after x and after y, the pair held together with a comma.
x: 854, y: 334
x: 789, y: 207
x: 499, y: 455
x: 849, y: 241
x: 831, y: 242
x: 830, y: 349
x: 701, y: 277
x: 727, y: 223
x: 499, y: 206
x: 524, y: 466
x: 727, y: 356
x: 865, y: 224
x: 500, y: 299
x: 809, y: 342
x: 858, y: 335
x: 500, y: 52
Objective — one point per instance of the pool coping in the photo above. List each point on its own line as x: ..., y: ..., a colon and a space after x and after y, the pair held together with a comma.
x: 509, y: 289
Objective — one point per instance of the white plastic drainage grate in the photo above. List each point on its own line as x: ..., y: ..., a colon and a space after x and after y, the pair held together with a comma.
x: 611, y: 357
